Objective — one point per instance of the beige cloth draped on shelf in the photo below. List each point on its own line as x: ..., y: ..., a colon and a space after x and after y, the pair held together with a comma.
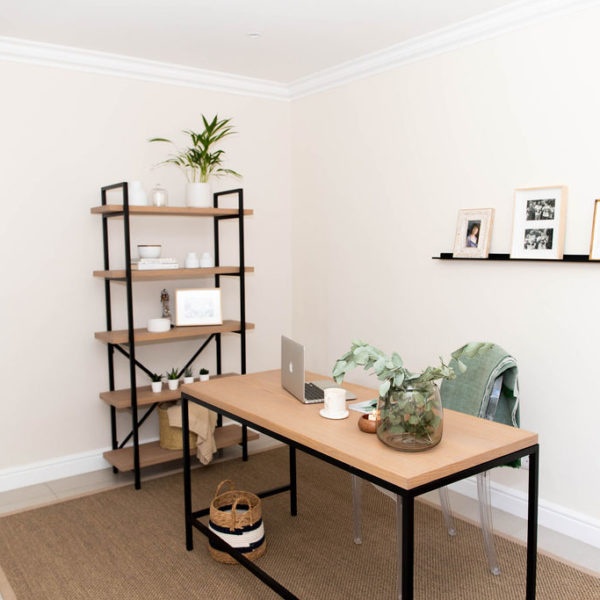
x: 202, y: 423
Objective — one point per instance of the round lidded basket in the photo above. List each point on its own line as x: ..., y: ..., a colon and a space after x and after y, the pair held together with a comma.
x: 236, y: 517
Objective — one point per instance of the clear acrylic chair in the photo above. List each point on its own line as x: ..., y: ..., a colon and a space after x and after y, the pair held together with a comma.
x: 485, y: 507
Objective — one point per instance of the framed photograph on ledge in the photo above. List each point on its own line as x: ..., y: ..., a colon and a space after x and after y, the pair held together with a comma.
x: 539, y: 223
x: 200, y: 306
x: 473, y: 233
x: 595, y: 243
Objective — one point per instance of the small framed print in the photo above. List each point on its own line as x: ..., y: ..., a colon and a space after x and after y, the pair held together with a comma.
x: 595, y: 243
x: 200, y: 306
x: 539, y: 223
x: 473, y: 233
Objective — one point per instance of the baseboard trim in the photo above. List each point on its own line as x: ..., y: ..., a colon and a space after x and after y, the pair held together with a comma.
x: 55, y: 468
x: 550, y: 515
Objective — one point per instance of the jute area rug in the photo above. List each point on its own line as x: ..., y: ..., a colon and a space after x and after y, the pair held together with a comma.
x: 127, y: 545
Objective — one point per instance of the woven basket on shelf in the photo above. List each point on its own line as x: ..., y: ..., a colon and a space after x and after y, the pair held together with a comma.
x: 236, y: 517
x: 171, y: 438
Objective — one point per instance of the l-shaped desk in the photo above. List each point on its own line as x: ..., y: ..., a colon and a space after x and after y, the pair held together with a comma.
x: 469, y: 446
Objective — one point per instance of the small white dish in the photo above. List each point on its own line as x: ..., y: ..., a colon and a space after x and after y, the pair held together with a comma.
x: 149, y: 250
x: 340, y: 415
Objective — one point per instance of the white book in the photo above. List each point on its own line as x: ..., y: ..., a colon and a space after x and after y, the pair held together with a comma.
x: 150, y: 261
x: 153, y: 266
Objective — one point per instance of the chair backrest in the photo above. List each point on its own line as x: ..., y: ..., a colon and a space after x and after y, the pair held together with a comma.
x: 487, y: 389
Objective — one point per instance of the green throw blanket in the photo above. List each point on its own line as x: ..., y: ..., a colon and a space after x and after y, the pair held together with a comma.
x: 470, y: 392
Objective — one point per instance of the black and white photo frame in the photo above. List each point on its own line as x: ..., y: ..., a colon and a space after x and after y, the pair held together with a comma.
x: 539, y: 223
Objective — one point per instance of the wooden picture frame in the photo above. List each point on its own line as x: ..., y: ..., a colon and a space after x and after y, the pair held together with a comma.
x: 595, y: 241
x: 539, y: 223
x: 198, y: 306
x: 473, y: 233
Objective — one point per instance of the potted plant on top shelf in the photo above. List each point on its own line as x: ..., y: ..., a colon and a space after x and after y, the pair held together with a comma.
x: 201, y: 160
x: 173, y: 379
x: 409, y: 409
x: 204, y: 376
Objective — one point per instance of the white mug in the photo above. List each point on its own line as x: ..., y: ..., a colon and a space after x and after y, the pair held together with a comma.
x: 335, y: 401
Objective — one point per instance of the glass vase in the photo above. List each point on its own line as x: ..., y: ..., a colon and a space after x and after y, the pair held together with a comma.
x: 411, y: 418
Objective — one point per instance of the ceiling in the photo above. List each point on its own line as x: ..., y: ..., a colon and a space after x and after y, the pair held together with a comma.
x: 298, y: 38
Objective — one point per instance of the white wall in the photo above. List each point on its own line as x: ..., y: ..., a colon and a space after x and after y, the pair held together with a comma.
x: 380, y: 168
x: 65, y: 134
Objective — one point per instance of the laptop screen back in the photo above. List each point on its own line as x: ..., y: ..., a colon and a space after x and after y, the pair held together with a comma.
x: 292, y: 367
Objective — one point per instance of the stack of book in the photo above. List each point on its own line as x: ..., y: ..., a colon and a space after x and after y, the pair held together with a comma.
x: 149, y: 264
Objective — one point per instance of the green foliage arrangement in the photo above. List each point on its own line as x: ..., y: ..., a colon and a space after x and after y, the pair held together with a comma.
x: 203, y: 371
x: 172, y: 374
x: 408, y: 400
x: 155, y: 377
x: 188, y: 372
x: 201, y: 160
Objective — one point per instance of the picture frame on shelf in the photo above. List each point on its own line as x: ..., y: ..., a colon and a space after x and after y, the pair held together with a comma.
x: 473, y: 233
x: 198, y: 306
x: 539, y: 223
x: 595, y: 242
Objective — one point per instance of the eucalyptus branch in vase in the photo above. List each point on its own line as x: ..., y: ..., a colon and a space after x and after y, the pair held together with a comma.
x: 409, y: 407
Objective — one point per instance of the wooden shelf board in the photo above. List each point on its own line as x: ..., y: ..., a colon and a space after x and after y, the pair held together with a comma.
x: 177, y: 211
x: 161, y: 274
x: 153, y: 454
x: 577, y: 258
x: 122, y: 398
x: 143, y: 336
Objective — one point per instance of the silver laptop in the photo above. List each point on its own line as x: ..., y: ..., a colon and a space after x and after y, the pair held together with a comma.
x: 292, y: 375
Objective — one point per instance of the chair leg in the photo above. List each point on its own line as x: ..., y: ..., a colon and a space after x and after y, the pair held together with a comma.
x: 357, y: 508
x: 399, y: 545
x: 485, y: 513
x: 447, y: 511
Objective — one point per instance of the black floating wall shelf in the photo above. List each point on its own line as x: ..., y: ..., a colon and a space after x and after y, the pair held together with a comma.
x: 578, y: 258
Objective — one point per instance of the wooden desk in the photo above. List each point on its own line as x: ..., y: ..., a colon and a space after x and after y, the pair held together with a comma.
x: 469, y: 445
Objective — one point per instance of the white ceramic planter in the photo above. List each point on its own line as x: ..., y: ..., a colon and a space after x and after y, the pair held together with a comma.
x: 173, y: 384
x: 204, y: 377
x: 188, y: 380
x: 156, y: 386
x: 198, y: 195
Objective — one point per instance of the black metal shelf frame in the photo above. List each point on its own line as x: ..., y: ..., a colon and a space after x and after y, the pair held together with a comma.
x: 129, y: 350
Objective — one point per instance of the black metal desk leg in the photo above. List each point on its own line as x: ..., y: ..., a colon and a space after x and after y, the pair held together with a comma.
x: 532, y: 523
x: 408, y: 546
x: 187, y: 484
x: 293, y: 489
x: 244, y: 442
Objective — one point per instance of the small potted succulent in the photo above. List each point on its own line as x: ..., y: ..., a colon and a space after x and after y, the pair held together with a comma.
x: 156, y: 382
x: 187, y: 376
x: 409, y: 410
x: 173, y: 379
x: 204, y: 376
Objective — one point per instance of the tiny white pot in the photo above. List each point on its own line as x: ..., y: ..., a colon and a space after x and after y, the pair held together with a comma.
x: 173, y: 384
x: 188, y: 380
x: 156, y: 386
x: 198, y: 195
x: 204, y: 377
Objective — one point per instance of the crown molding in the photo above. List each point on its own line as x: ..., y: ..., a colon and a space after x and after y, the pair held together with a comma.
x: 491, y: 24
x: 486, y: 26
x: 91, y: 61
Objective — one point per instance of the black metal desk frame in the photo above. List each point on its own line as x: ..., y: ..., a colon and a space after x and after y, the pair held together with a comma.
x: 192, y: 518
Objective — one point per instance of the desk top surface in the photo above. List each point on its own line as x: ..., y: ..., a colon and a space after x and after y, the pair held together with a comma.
x: 259, y: 398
